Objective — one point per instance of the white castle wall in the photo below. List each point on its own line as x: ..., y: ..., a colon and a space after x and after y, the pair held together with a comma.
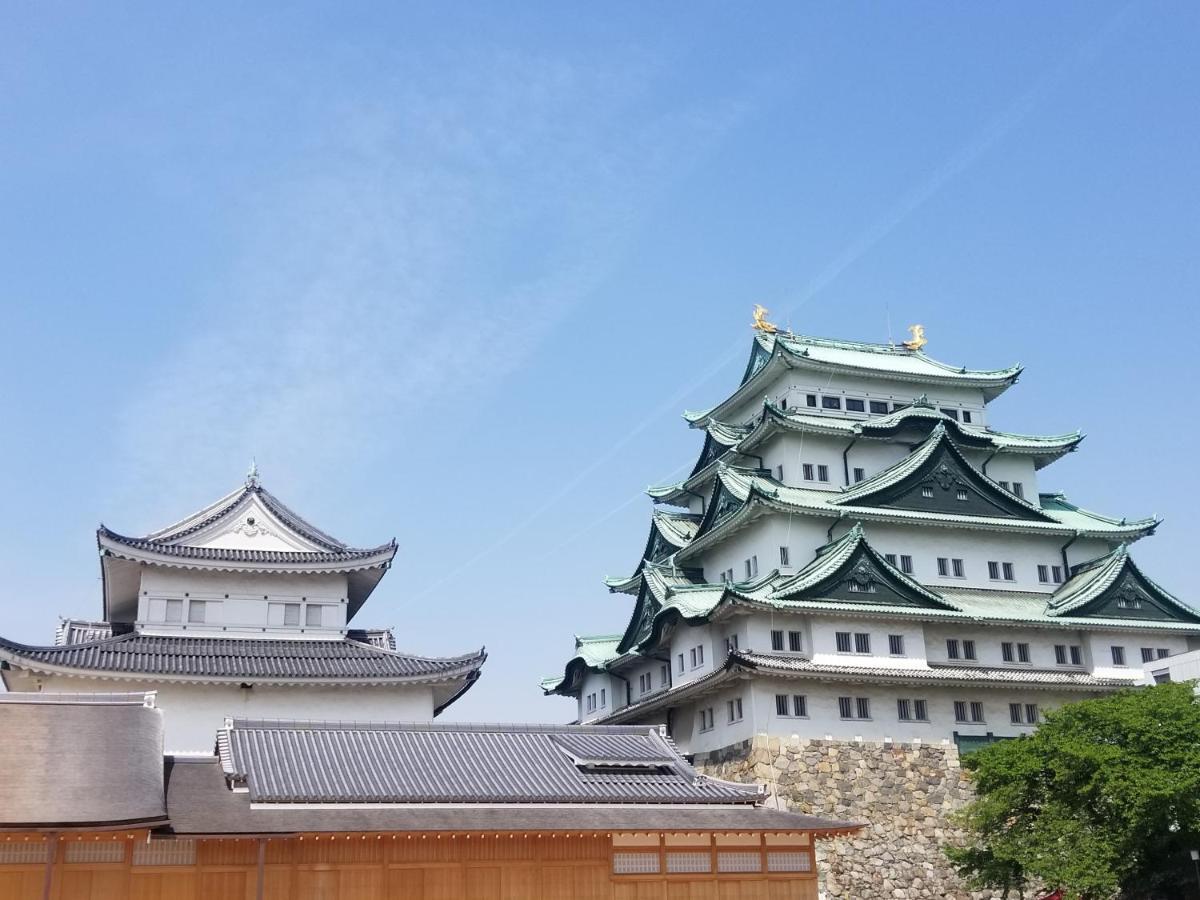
x: 194, y: 712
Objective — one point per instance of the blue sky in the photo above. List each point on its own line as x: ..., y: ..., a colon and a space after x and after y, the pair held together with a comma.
x: 451, y: 272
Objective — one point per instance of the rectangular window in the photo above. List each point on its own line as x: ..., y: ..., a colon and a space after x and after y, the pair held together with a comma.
x: 779, y: 472
x: 1018, y: 489
x: 603, y: 697
x: 1023, y: 653
x: 927, y: 492
x: 777, y: 640
x: 904, y: 710
x: 810, y: 400
x: 976, y: 711
x: 808, y: 472
x: 862, y: 642
x: 664, y: 675
x: 879, y: 407
x: 643, y: 682
x: 960, y: 711
x: 994, y: 570
x: 312, y: 616
x: 1031, y: 714
x: 1008, y: 572
x: 682, y: 863
x: 967, y: 416
x: 822, y: 473
x: 952, y: 413
x: 1163, y: 652
x: 1060, y: 654
x: 943, y: 565
x: 968, y: 649
x: 952, y: 648
x: 196, y: 612
x: 853, y: 405
x: 1076, y: 656
x: 1014, y: 713
x: 1147, y: 654
x: 729, y: 575
x: 1044, y: 574
x: 862, y: 706
x: 783, y: 706
x: 291, y: 614
x: 961, y: 494
x: 859, y: 475
x: 896, y: 644
x: 795, y: 641
x: 958, y: 568
x: 748, y: 573
x: 734, y: 708
x: 636, y: 863
x: 921, y: 709
x: 731, y: 642
x: 1118, y: 656
x: 1057, y: 573
x: 706, y: 719
x: 906, y: 565
x: 174, y: 611
x: 785, y: 556
x: 799, y: 706
x: 846, y: 707
x: 831, y: 402
x: 891, y: 558
x: 843, y: 641
x: 680, y: 663
x: 1006, y: 651
x: 1003, y: 484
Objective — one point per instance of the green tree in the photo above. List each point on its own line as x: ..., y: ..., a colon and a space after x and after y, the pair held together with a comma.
x: 1102, y: 801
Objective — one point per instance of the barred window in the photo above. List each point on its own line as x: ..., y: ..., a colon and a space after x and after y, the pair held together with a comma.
x: 789, y: 861
x: 739, y: 861
x: 689, y: 862
x: 635, y: 863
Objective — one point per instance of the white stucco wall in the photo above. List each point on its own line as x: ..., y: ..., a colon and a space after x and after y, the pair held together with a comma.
x: 194, y: 712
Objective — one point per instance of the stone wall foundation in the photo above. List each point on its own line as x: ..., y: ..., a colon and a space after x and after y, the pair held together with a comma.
x: 905, y: 793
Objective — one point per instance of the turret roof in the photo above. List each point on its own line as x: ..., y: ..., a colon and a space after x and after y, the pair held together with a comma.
x: 775, y: 353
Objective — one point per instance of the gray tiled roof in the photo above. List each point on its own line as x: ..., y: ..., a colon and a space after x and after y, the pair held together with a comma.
x: 228, y: 554
x: 201, y: 804
x: 79, y: 761
x: 228, y: 658
x: 336, y: 762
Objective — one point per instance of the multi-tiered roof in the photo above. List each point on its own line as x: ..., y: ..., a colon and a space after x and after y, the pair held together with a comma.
x: 939, y: 483
x: 247, y: 532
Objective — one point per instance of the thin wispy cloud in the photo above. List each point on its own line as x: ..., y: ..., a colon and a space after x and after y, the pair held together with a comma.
x: 421, y: 242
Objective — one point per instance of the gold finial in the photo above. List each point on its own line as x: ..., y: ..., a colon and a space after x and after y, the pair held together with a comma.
x: 918, y: 337
x: 760, y: 320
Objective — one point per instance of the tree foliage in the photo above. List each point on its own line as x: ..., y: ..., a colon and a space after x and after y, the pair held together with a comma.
x: 1102, y: 801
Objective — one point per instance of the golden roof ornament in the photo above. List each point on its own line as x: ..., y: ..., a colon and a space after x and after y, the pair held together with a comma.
x: 760, y: 320
x: 918, y: 337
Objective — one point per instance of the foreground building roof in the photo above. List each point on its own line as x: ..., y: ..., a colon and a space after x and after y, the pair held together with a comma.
x: 81, y: 761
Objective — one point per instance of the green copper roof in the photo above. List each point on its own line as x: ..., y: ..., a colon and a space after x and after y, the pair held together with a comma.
x: 754, y: 494
x: 774, y: 354
x: 592, y: 652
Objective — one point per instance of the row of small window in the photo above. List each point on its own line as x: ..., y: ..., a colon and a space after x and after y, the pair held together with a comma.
x: 595, y: 701
x: 645, y: 680
x: 692, y: 861
x: 795, y: 706
x: 795, y: 641
x: 197, y: 611
x: 733, y: 713
x: 200, y: 612
x: 877, y: 407
x: 860, y: 642
x: 750, y: 566
x: 695, y: 655
x: 998, y: 570
x: 1149, y: 654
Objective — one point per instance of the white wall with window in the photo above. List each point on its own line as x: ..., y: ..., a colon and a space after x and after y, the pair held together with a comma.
x: 600, y: 695
x: 693, y: 653
x: 867, y: 642
x: 759, y: 543
x: 185, y: 601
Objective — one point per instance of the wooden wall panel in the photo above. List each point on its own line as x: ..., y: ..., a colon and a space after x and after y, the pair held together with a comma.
x: 483, y: 882
x: 444, y: 883
x: 405, y: 884
x: 109, y: 883
x: 22, y: 882
x: 158, y: 884
x: 236, y: 884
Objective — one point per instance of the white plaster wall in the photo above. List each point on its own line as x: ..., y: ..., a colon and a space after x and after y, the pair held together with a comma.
x: 1100, y: 644
x: 794, y: 384
x: 802, y: 535
x: 758, y: 702
x: 194, y: 712
x: 1182, y: 667
x: 614, y: 695
x: 823, y: 646
x: 988, y: 639
x: 683, y: 639
x: 1009, y: 467
x: 241, y: 602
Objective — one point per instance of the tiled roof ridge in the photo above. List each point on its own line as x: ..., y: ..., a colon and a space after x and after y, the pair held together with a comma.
x: 437, y: 727
x: 186, y: 551
x: 889, y: 349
